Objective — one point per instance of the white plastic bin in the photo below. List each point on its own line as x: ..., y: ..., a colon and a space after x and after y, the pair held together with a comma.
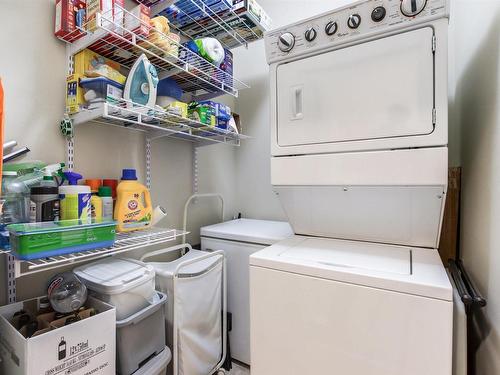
x: 140, y: 337
x: 156, y: 365
x: 127, y: 284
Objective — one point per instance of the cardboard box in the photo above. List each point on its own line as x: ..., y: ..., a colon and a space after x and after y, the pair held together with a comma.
x: 104, y: 7
x: 74, y: 93
x: 84, y: 347
x: 118, y: 15
x: 65, y: 20
x: 86, y: 59
x: 137, y: 21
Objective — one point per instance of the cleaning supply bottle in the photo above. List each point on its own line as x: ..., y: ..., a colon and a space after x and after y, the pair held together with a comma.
x: 112, y: 184
x: 133, y: 209
x: 44, y: 196
x: 95, y: 200
x: 106, y: 195
x: 75, y: 199
x: 44, y: 204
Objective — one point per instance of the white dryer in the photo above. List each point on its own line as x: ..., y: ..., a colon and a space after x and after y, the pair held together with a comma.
x: 359, y: 134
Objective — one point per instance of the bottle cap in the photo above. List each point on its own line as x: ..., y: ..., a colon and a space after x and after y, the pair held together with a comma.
x: 129, y: 175
x: 112, y: 184
x: 105, y: 191
x: 94, y: 184
x: 72, y: 177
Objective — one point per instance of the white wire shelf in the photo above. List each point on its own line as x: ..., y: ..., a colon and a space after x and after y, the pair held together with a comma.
x: 232, y: 25
x: 110, y: 38
x: 124, y: 242
x: 157, y: 122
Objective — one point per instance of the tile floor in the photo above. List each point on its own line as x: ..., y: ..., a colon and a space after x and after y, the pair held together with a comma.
x: 239, y: 370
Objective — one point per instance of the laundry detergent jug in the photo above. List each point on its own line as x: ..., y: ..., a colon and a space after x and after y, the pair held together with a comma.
x: 133, y: 209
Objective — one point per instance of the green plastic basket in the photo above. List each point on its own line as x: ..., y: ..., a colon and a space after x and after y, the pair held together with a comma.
x: 42, y: 240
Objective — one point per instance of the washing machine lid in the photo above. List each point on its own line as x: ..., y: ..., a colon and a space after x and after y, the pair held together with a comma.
x: 263, y: 232
x: 401, y: 269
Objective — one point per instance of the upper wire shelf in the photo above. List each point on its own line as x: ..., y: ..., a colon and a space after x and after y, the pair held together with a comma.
x: 124, y: 242
x: 233, y: 22
x: 230, y: 21
x: 111, y: 39
x: 157, y: 122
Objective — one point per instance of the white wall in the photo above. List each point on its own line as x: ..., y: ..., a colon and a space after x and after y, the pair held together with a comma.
x: 477, y: 66
x: 255, y: 196
x: 33, y: 71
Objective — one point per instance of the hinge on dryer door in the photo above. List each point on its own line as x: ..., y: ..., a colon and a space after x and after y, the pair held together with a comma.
x: 433, y: 43
x: 433, y: 116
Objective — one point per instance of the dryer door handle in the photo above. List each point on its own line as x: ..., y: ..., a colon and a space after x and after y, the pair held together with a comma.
x: 297, y: 103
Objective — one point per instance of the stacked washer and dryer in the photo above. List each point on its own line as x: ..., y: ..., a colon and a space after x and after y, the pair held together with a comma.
x: 359, y: 134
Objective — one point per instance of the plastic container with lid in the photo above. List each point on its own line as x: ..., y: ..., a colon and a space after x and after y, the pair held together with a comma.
x: 127, y: 284
x: 75, y: 199
x: 101, y: 89
x: 40, y: 240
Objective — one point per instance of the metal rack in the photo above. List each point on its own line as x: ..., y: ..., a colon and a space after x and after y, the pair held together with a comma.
x: 124, y: 242
x: 157, y: 122
x: 220, y: 20
x: 112, y: 40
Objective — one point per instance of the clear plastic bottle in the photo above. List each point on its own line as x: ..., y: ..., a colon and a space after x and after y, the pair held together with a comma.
x: 66, y: 293
x: 15, y: 207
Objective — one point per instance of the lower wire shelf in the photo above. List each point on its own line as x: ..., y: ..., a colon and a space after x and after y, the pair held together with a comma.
x: 124, y: 242
x: 156, y: 122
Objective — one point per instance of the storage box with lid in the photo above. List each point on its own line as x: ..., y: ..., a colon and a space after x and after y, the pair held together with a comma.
x: 127, y: 284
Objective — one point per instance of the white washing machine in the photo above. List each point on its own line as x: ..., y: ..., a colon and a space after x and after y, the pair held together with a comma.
x: 239, y: 239
x: 359, y: 134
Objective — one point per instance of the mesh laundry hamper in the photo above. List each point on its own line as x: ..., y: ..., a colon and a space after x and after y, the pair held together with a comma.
x: 196, y: 326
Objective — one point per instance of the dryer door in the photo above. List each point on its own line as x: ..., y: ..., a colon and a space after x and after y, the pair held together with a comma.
x: 374, y: 90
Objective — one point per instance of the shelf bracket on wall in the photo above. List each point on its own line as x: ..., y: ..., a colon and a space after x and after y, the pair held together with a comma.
x: 11, y: 279
x: 195, y: 171
x: 148, y: 163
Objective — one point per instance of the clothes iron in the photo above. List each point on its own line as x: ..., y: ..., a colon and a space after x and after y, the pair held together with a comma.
x: 142, y: 83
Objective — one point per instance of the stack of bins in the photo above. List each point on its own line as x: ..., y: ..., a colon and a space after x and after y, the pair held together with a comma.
x: 128, y: 284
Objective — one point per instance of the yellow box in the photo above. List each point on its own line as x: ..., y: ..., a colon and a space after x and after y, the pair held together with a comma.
x: 74, y: 93
x: 86, y: 59
x: 182, y: 108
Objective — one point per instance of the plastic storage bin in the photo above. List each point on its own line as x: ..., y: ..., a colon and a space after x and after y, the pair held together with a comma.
x: 127, y: 284
x: 140, y: 337
x: 41, y: 240
x: 156, y: 365
x: 101, y: 89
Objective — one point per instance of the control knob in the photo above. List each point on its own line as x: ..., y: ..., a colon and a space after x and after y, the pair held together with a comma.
x: 286, y: 42
x: 354, y: 21
x: 378, y: 14
x: 411, y: 8
x: 310, y: 34
x: 331, y: 28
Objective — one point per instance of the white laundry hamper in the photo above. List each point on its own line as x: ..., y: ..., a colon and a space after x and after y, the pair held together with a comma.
x: 195, y: 312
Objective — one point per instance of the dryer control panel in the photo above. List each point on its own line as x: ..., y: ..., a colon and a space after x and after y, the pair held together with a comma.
x: 356, y: 21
